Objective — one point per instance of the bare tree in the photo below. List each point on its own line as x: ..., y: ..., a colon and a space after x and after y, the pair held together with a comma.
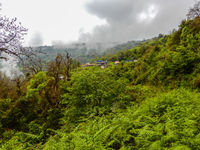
x: 59, y: 69
x: 67, y: 65
x: 61, y: 66
x: 11, y: 36
x: 194, y: 12
x: 31, y: 61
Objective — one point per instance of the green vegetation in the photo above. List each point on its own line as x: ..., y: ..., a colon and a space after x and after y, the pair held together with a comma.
x: 152, y: 103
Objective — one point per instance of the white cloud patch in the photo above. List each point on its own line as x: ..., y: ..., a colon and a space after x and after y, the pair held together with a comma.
x: 36, y: 40
x: 149, y: 14
x: 9, y: 67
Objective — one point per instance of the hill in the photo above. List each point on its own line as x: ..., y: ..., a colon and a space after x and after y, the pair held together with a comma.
x: 152, y: 103
x: 85, y: 52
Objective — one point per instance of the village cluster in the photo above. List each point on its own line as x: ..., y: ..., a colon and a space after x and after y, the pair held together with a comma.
x: 104, y: 64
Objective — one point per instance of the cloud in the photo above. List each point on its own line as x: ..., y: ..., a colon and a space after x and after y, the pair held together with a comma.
x: 36, y: 40
x: 134, y: 19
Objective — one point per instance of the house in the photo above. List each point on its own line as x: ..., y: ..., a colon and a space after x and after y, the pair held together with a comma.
x: 117, y: 62
x: 102, y: 64
x: 129, y: 60
x: 88, y: 65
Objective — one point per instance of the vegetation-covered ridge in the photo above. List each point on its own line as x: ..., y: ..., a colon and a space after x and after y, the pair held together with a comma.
x: 84, y: 52
x: 153, y: 103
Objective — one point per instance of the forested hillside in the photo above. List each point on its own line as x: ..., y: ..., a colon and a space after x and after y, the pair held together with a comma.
x: 152, y: 103
x: 84, y: 52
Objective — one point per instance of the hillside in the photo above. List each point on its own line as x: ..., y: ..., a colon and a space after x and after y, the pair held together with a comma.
x: 84, y: 52
x: 153, y: 103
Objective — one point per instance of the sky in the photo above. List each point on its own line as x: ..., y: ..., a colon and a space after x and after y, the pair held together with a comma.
x: 51, y: 21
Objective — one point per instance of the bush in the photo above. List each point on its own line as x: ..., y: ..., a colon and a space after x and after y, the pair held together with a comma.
x: 167, y: 121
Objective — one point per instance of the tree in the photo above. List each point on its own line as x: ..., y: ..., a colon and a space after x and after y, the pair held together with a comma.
x: 61, y: 67
x: 32, y: 63
x: 11, y: 36
x: 194, y: 12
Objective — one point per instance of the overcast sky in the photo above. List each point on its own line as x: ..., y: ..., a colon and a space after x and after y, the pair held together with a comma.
x: 95, y: 20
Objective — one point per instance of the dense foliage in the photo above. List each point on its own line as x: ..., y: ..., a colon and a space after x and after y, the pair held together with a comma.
x: 152, y: 103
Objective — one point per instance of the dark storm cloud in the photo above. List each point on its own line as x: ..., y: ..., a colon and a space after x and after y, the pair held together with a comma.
x: 106, y: 10
x: 135, y: 19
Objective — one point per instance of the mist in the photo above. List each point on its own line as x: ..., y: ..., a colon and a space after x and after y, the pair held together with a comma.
x: 9, y: 66
x: 126, y: 20
x: 36, y: 40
